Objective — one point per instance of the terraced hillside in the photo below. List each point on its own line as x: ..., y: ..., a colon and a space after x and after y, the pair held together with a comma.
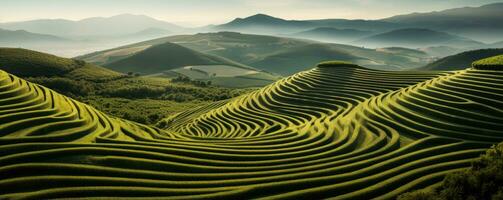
x: 337, y: 131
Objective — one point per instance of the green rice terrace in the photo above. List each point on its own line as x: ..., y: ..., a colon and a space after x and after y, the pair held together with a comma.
x: 337, y: 131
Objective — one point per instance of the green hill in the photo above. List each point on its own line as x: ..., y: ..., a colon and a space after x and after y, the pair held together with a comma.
x: 28, y: 63
x: 417, y: 38
x: 492, y: 63
x: 166, y: 56
x: 252, y: 50
x: 461, y: 60
x: 244, y: 48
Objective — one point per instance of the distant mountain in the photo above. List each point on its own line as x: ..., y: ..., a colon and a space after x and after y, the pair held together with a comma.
x: 166, y: 56
x: 330, y: 34
x: 265, y: 24
x: 462, y: 60
x: 482, y: 23
x: 21, y: 37
x: 96, y: 26
x: 417, y: 38
x: 28, y: 63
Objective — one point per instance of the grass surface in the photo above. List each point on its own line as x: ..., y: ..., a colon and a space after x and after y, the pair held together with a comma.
x: 340, y: 132
x: 492, y: 63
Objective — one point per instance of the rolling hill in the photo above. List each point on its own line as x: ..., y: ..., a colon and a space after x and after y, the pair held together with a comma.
x: 330, y: 34
x: 336, y: 131
x: 166, y: 56
x: 170, y: 60
x: 28, y: 63
x: 480, y: 23
x: 243, y: 48
x: 417, y: 38
x: 252, y: 50
x: 462, y: 60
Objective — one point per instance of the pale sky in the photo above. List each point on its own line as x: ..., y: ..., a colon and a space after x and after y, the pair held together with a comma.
x: 203, y: 12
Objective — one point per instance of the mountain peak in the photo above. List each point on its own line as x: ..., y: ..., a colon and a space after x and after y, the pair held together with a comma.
x: 260, y: 18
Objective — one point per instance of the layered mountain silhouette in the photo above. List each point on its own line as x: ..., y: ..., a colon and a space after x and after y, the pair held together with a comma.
x: 97, y: 26
x: 482, y: 23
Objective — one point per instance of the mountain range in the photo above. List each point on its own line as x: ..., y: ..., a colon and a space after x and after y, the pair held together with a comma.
x: 123, y: 24
x: 265, y: 24
x: 433, y: 31
x: 481, y: 23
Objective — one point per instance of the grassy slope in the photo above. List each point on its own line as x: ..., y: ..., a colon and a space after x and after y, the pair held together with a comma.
x: 23, y: 62
x: 165, y: 57
x: 483, y: 180
x: 462, y: 60
x: 492, y: 63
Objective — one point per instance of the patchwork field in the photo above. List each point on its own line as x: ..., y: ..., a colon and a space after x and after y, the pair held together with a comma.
x: 337, y: 131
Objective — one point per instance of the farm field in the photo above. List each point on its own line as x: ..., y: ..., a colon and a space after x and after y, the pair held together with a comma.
x: 336, y: 131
